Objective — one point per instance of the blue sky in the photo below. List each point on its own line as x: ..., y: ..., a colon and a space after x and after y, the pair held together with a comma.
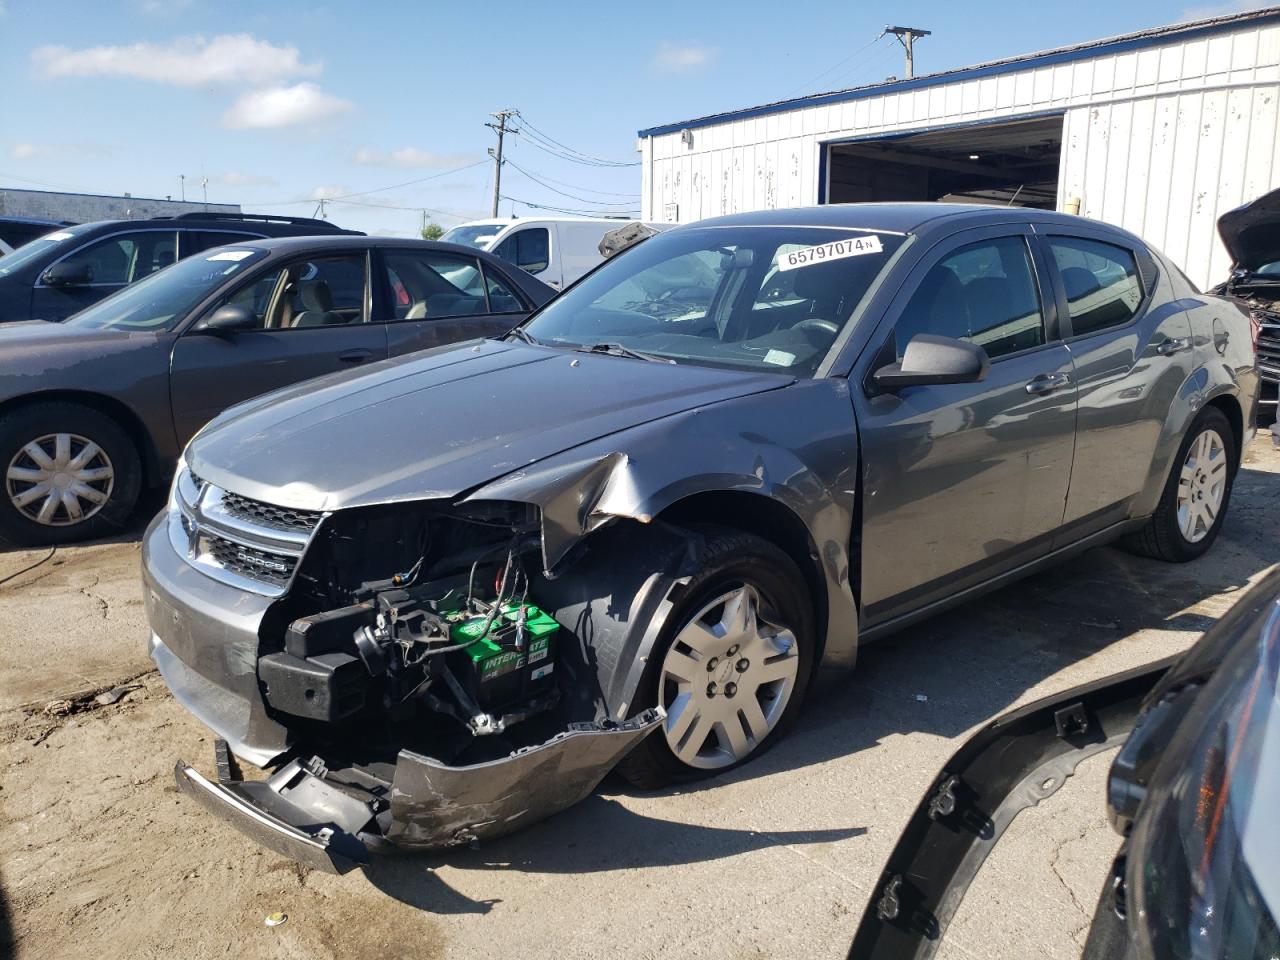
x: 280, y: 103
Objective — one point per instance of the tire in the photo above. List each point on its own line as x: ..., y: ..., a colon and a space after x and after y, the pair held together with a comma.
x: 730, y: 568
x: 1165, y: 535
x: 104, y: 485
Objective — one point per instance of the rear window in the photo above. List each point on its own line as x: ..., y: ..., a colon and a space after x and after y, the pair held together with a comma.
x: 1101, y: 281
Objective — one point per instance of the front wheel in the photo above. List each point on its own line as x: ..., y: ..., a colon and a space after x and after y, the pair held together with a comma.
x: 67, y: 473
x: 732, y: 667
x: 1195, y: 498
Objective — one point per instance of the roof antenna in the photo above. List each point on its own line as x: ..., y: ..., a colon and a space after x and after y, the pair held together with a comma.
x: 1015, y: 195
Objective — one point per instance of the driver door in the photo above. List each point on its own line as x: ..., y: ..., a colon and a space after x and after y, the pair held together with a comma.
x: 962, y: 482
x: 312, y: 318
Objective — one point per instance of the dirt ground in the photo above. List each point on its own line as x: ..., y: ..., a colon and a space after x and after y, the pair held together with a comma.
x: 100, y: 856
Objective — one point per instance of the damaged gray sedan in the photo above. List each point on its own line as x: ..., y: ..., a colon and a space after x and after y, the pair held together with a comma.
x: 441, y: 599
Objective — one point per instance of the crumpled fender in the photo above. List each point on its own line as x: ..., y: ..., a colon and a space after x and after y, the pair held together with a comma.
x: 745, y: 446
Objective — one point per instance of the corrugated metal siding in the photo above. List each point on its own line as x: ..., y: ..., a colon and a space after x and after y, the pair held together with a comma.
x: 1160, y: 140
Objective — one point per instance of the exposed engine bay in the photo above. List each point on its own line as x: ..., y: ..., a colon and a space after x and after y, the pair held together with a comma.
x: 1259, y: 294
x: 420, y: 680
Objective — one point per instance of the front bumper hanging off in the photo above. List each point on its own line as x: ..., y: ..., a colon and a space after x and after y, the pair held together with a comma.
x: 301, y: 815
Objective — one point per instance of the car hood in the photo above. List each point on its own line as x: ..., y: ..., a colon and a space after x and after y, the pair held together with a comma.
x: 1251, y: 233
x: 439, y: 423
x: 35, y: 354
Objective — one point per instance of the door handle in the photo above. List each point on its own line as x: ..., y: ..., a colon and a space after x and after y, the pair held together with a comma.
x: 1047, y: 383
x: 1169, y: 346
x: 356, y: 356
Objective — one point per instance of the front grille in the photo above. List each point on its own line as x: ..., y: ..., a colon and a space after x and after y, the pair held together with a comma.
x: 250, y: 562
x: 269, y: 515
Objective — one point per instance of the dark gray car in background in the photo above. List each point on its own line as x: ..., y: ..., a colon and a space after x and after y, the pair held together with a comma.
x: 442, y: 597
x: 98, y: 407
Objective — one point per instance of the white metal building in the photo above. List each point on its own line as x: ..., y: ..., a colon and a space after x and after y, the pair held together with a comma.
x: 1159, y: 132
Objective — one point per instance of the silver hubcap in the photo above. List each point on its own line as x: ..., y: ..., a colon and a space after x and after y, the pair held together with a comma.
x: 60, y: 479
x: 726, y: 681
x: 1201, y: 486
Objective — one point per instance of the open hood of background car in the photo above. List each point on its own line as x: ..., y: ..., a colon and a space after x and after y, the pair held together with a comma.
x: 436, y: 424
x: 1251, y: 233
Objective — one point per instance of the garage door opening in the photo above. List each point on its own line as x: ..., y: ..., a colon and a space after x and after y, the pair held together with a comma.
x: 1014, y: 163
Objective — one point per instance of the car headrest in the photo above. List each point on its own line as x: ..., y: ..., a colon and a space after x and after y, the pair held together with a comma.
x: 1079, y: 282
x: 316, y: 296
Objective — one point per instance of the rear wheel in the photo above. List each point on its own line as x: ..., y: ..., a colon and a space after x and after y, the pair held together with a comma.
x: 1194, y: 502
x: 67, y: 473
x: 732, y: 668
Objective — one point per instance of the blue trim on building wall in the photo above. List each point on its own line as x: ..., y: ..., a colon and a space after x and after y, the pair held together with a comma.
x: 1051, y: 58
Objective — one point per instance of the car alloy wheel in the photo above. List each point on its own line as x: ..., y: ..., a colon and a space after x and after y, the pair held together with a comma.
x: 726, y: 680
x: 1202, y: 485
x: 60, y: 479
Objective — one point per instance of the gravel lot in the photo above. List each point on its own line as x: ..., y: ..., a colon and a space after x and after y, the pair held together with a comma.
x: 99, y: 856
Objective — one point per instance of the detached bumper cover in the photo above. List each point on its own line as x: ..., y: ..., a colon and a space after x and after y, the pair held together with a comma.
x: 1013, y: 763
x: 433, y: 806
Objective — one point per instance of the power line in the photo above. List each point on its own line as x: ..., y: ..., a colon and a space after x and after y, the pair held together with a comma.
x: 571, y: 210
x: 563, y: 193
x: 365, y: 193
x: 543, y: 141
x: 564, y: 183
x: 811, y: 84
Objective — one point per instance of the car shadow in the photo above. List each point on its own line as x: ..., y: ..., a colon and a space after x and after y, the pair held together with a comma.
x: 940, y: 677
x: 571, y: 843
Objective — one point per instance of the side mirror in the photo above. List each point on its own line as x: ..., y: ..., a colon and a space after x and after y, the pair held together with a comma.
x: 68, y: 274
x: 228, y: 318
x: 931, y: 359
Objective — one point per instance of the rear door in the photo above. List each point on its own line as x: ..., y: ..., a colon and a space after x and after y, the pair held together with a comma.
x: 430, y: 298
x: 1130, y: 359
x: 313, y: 317
x: 962, y: 482
x: 113, y: 262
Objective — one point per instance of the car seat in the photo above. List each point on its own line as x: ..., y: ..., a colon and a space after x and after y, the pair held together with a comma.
x: 317, y: 302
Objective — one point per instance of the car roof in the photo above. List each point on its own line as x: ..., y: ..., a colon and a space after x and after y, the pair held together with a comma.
x: 894, y: 217
x: 264, y: 224
x: 303, y: 244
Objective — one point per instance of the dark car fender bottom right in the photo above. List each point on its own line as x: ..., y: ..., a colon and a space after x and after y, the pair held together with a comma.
x: 1013, y: 763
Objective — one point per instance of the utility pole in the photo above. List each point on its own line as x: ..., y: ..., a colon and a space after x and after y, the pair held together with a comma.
x: 502, y: 116
x: 906, y: 36
x: 182, y: 179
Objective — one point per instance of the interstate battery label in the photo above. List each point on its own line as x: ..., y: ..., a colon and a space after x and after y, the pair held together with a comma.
x: 836, y: 250
x: 503, y: 663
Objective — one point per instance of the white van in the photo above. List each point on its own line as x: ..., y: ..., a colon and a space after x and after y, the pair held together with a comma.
x: 556, y: 250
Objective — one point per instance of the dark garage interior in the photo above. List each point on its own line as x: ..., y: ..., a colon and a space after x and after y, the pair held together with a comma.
x: 1012, y: 162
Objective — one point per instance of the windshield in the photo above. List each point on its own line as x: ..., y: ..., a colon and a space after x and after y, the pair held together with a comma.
x: 161, y: 300
x: 62, y: 238
x: 478, y: 236
x: 749, y: 298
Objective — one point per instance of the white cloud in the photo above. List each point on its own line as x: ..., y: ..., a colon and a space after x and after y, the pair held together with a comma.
x: 33, y: 151
x: 328, y: 192
x: 283, y: 107
x: 673, y: 57
x: 409, y: 158
x: 233, y: 178
x: 187, y: 61
x: 1211, y: 11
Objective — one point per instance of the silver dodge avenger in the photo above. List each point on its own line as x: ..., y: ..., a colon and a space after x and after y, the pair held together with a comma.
x: 441, y: 597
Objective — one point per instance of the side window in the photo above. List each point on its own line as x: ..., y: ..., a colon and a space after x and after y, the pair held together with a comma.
x: 426, y: 285
x: 984, y: 293
x: 320, y: 292
x: 528, y: 249
x: 127, y: 257
x: 1101, y: 280
x: 255, y: 296
x: 193, y: 241
x: 501, y: 299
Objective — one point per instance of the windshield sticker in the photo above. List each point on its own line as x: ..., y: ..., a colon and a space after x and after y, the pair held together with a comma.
x: 837, y: 250
x: 236, y: 255
x: 780, y: 358
x: 58, y: 236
